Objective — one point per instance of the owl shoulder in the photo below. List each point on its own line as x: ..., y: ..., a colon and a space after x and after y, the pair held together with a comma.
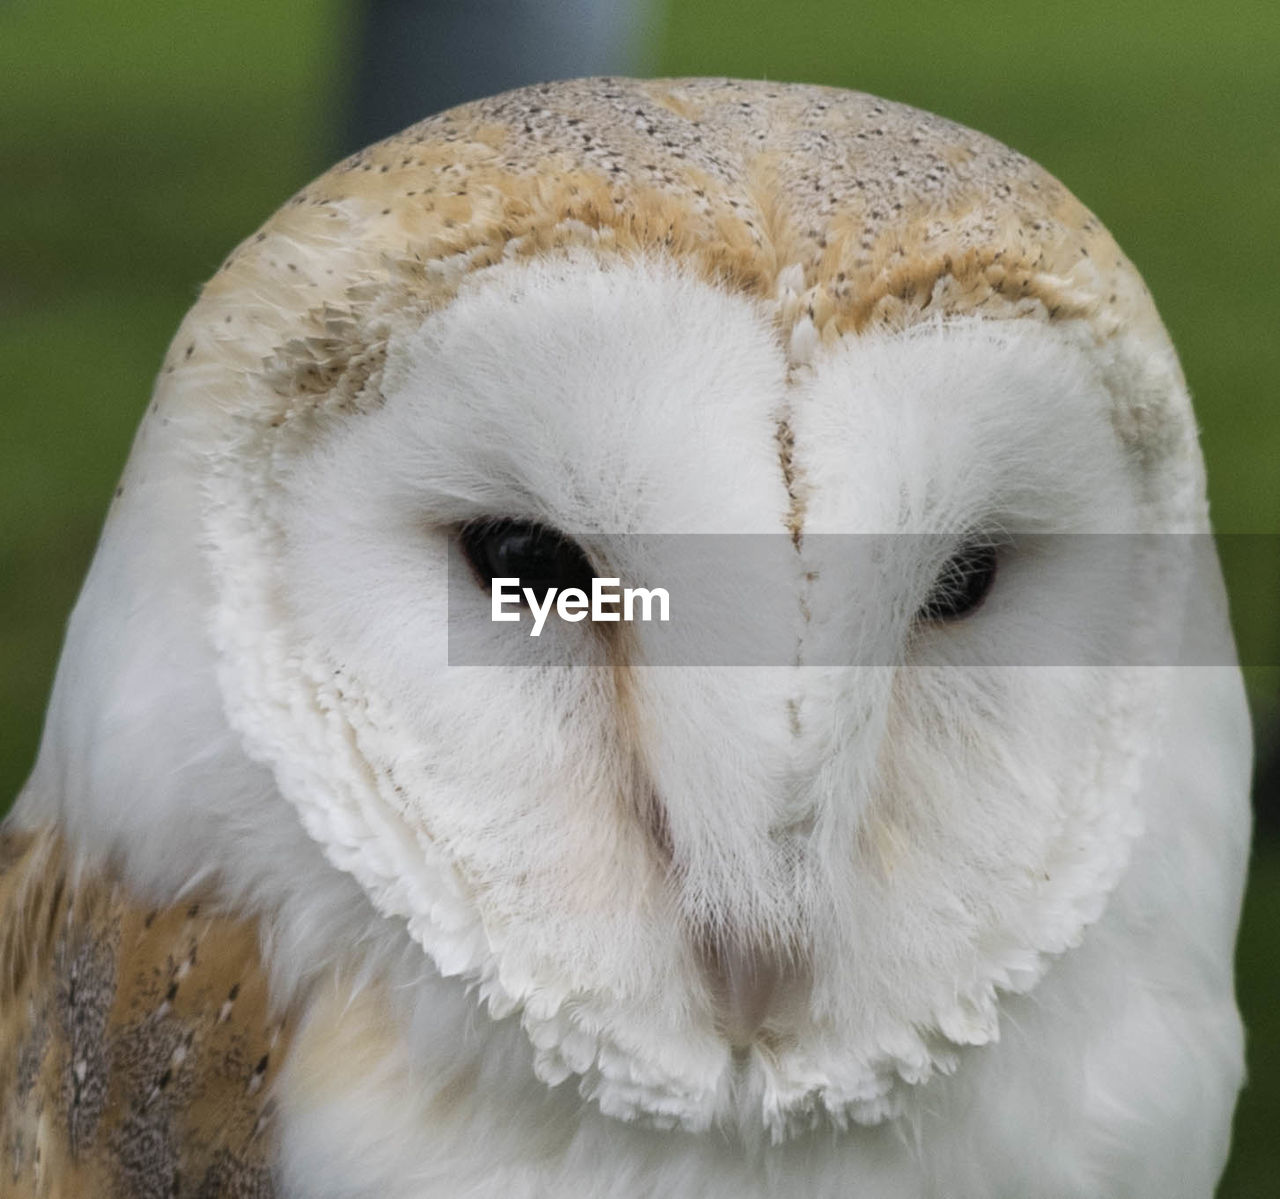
x: 137, y: 1045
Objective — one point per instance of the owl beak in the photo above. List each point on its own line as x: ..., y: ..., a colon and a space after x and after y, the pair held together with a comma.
x: 745, y: 982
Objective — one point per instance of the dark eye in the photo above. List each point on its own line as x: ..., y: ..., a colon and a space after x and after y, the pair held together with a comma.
x: 538, y: 556
x: 963, y: 584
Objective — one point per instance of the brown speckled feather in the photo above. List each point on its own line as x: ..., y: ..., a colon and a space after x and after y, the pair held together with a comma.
x: 842, y: 211
x: 873, y: 201
x: 137, y: 1055
x: 864, y: 212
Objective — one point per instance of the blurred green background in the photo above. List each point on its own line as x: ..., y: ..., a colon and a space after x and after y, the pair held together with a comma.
x: 139, y: 142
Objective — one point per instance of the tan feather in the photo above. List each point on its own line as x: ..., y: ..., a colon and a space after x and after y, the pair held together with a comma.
x: 137, y: 1054
x: 872, y: 213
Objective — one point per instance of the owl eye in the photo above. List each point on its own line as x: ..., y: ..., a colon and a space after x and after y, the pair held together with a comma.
x: 539, y: 557
x: 963, y: 584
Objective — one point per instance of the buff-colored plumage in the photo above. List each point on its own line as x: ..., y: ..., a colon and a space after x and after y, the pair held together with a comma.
x: 866, y: 213
x: 136, y: 1048
x: 291, y: 906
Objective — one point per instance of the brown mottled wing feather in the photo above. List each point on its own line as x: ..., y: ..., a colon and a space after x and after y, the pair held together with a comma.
x: 137, y: 1052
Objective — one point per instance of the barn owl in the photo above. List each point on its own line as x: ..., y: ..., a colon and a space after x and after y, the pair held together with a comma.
x: 297, y: 902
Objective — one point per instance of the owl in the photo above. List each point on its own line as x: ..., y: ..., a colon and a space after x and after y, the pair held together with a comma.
x: 904, y: 861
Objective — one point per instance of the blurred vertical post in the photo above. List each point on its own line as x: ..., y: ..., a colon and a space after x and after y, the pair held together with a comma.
x: 416, y: 57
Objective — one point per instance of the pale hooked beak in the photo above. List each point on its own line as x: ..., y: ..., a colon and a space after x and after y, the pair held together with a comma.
x: 746, y: 982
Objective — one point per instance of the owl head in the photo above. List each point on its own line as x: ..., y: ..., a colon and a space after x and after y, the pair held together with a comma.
x: 859, y: 384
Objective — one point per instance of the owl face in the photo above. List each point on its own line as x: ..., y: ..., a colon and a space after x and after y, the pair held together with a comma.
x: 859, y: 387
x: 775, y: 894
